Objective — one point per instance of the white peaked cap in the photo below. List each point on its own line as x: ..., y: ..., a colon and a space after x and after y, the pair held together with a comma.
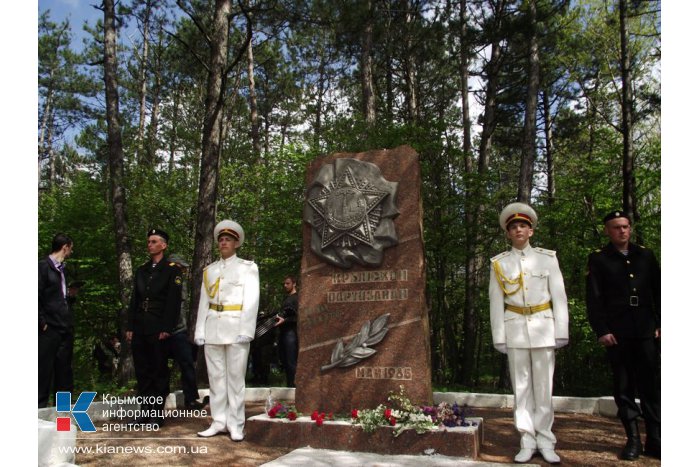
x: 517, y: 212
x: 229, y: 227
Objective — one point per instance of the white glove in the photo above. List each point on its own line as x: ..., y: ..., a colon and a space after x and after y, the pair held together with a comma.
x: 199, y: 342
x: 559, y: 343
x: 240, y: 339
x: 501, y: 348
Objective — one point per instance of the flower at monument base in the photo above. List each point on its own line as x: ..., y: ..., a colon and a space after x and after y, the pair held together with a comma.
x: 280, y: 410
x: 403, y: 415
x: 450, y: 415
x: 319, y: 421
x: 314, y: 415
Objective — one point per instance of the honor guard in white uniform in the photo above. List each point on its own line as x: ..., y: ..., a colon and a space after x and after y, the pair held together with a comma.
x: 226, y: 320
x: 529, y: 319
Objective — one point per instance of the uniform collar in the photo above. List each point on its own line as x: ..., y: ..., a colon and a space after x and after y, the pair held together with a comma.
x: 631, y: 247
x: 230, y: 260
x: 524, y: 252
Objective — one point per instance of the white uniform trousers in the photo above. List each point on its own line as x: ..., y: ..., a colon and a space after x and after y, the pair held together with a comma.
x: 226, y: 367
x: 531, y: 373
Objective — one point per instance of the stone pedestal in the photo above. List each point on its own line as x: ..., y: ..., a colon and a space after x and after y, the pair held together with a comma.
x: 458, y: 442
x: 363, y: 321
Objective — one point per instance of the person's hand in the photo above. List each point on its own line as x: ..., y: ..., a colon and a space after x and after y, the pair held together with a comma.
x: 163, y: 335
x: 501, y: 348
x: 279, y: 321
x: 199, y: 341
x: 608, y: 340
x: 129, y: 335
x: 657, y: 334
x: 559, y: 343
x: 240, y: 339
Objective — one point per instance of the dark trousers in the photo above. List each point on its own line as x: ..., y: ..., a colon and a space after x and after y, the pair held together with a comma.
x: 180, y: 350
x: 635, y: 367
x: 55, y: 363
x: 288, y: 350
x: 151, y: 365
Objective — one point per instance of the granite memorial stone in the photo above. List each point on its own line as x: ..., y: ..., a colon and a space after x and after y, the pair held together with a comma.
x: 363, y: 320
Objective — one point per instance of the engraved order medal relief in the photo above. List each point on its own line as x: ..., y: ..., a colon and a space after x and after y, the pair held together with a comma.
x: 351, y: 207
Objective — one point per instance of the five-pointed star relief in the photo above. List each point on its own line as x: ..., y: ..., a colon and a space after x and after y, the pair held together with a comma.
x: 348, y: 208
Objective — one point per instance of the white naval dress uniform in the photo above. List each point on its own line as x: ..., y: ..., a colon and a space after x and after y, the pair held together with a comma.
x: 228, y: 310
x: 530, y: 338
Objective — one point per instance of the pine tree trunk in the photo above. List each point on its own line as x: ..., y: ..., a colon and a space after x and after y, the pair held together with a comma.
x: 116, y: 179
x: 212, y: 133
x: 254, y: 117
x: 469, y: 317
x: 366, y: 72
x: 628, y: 179
x: 318, y: 111
x: 143, y: 157
x: 410, y: 63
x: 529, y: 152
x: 549, y: 148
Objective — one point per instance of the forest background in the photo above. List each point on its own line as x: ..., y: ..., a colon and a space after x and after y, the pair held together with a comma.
x: 177, y: 114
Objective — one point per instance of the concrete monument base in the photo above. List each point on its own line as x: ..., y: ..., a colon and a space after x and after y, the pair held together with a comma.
x: 343, y: 436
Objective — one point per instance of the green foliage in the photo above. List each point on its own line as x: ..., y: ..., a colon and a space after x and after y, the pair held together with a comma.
x: 309, y: 100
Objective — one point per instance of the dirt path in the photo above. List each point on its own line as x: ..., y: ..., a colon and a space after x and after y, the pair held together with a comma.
x: 583, y: 440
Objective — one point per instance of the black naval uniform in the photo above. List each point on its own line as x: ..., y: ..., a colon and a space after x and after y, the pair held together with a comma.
x: 623, y: 297
x: 154, y: 308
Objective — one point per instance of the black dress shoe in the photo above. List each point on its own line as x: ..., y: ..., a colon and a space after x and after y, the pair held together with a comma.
x: 194, y: 405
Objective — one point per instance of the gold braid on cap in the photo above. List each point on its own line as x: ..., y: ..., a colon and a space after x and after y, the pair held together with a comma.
x: 519, y: 216
x: 211, y: 289
x: 230, y: 232
x: 503, y: 280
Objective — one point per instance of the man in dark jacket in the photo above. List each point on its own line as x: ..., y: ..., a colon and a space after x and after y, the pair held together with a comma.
x: 55, y: 321
x: 288, y: 342
x: 153, y: 314
x: 623, y: 298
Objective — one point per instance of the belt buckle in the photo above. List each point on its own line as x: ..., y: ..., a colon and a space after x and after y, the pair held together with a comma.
x: 634, y: 300
x: 219, y: 307
x: 527, y: 310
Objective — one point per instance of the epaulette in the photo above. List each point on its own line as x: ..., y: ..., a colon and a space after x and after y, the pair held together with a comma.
x: 172, y: 264
x: 545, y: 251
x: 246, y: 261
x: 499, y: 256
x: 642, y: 247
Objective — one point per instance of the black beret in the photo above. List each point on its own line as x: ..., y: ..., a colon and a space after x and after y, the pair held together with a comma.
x: 615, y: 215
x: 160, y: 233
